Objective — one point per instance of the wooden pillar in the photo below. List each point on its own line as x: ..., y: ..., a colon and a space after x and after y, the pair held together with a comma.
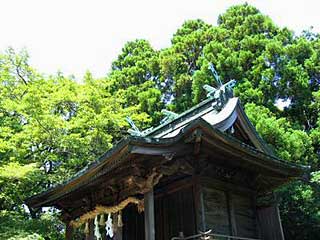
x: 203, y: 216
x: 198, y: 203
x: 69, y: 231
x: 279, y: 220
x: 149, y: 224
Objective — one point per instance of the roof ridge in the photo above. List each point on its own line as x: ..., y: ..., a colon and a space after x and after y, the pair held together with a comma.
x: 150, y: 131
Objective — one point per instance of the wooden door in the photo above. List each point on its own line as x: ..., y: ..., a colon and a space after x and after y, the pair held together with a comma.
x: 216, y: 212
x: 133, y: 228
x: 270, y: 223
x: 174, y: 213
x: 244, y: 215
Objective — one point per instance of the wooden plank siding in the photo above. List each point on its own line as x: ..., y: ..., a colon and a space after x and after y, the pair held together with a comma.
x: 244, y: 215
x: 175, y: 213
x: 269, y: 220
x: 188, y: 206
x: 133, y: 229
x: 216, y: 210
x: 227, y: 211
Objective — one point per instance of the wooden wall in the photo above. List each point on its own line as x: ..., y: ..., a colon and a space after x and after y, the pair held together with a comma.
x: 270, y: 223
x: 244, y: 214
x: 175, y: 212
x: 207, y: 203
x: 133, y: 228
x: 227, y: 211
x: 216, y: 210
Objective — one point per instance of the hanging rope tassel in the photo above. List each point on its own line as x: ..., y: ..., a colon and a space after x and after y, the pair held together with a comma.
x: 109, y: 226
x: 86, y: 228
x: 102, y: 221
x: 97, y: 233
x: 106, y: 210
x: 120, y: 223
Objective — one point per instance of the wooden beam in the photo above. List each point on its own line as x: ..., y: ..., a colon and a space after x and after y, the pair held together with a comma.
x: 173, y: 187
x: 149, y: 220
x: 223, y: 185
x: 160, y: 151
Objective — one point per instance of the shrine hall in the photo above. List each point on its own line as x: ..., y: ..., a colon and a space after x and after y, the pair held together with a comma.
x: 201, y: 174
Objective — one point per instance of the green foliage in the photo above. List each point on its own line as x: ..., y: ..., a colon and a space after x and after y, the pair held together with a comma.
x: 300, y: 208
x: 178, y: 63
x: 55, y: 120
x: 70, y: 124
x: 289, y: 143
x: 15, y: 181
x: 135, y: 80
x: 15, y: 226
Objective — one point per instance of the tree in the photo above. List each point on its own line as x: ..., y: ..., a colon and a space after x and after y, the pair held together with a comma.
x: 179, y: 62
x: 134, y: 79
x: 68, y: 124
x: 54, y: 121
x: 271, y: 65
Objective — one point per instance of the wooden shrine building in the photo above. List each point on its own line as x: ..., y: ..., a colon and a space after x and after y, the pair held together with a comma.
x: 205, y: 169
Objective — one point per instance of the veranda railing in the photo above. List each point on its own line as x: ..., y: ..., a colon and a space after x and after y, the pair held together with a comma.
x: 211, y: 236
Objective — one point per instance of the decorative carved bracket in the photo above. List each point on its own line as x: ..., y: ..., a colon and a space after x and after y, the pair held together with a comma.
x: 195, y: 138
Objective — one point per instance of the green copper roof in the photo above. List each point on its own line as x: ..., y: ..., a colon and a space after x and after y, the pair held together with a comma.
x: 104, y: 166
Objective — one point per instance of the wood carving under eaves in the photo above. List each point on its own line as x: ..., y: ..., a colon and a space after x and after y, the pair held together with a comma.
x: 145, y: 183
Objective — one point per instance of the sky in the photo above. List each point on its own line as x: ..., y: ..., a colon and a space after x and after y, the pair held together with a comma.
x: 73, y: 36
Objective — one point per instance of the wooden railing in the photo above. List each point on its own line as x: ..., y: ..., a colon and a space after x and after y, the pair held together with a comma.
x: 211, y: 236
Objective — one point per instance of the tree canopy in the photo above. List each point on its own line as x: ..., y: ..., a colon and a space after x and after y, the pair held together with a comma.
x: 67, y: 124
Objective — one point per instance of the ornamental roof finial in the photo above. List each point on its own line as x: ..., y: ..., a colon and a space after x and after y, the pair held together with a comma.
x: 134, y: 131
x: 223, y: 92
x: 168, y: 116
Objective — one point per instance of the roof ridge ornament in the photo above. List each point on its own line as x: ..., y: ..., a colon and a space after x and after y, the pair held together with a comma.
x: 134, y: 131
x: 221, y: 94
x: 168, y: 116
